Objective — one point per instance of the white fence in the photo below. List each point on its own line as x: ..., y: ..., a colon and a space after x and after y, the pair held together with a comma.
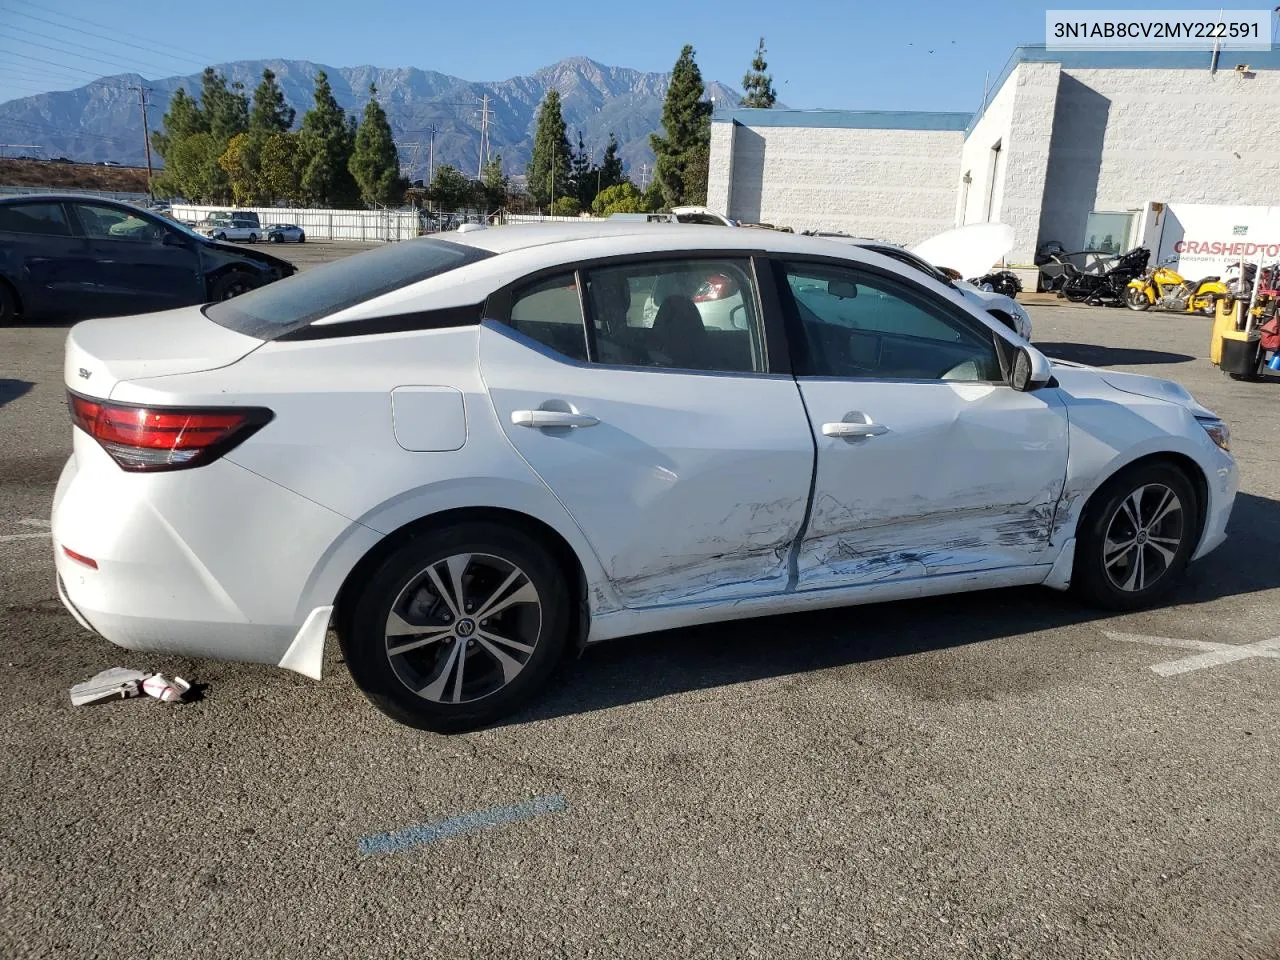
x: 317, y: 224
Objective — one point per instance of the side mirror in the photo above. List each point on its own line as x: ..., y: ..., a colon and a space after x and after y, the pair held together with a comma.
x: 1031, y: 370
x: 170, y: 239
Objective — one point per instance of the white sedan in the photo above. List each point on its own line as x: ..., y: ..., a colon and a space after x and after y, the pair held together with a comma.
x: 471, y: 456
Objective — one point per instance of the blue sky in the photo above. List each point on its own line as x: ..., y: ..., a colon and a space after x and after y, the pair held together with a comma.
x: 822, y: 53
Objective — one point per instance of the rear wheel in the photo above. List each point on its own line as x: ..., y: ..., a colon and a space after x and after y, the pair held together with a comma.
x: 458, y: 627
x: 253, y: 238
x: 1136, y: 537
x: 1136, y: 299
x: 231, y: 285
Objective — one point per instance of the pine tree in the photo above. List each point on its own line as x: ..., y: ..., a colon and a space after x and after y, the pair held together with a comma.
x: 686, y: 123
x: 549, y: 164
x: 226, y: 108
x: 494, y: 184
x: 757, y: 86
x: 325, y: 141
x: 450, y: 189
x: 374, y: 163
x: 583, y: 175
x: 611, y: 174
x: 270, y: 114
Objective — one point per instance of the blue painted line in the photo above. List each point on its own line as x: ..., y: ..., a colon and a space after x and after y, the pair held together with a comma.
x: 456, y: 826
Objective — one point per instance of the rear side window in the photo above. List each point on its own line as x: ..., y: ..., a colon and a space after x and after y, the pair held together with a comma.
x: 290, y: 304
x: 550, y: 312
x: 47, y: 219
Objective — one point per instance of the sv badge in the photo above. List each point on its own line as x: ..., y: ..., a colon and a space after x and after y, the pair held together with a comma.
x: 85, y: 373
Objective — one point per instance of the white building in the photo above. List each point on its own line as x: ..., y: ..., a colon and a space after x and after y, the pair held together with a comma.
x: 1074, y: 146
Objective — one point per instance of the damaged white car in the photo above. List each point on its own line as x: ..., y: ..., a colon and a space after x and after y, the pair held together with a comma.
x: 471, y: 456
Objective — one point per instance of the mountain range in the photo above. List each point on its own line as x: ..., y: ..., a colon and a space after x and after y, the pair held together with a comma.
x: 103, y: 120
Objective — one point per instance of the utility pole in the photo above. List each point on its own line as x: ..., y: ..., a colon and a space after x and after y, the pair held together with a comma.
x: 431, y: 155
x: 484, y: 133
x: 146, y: 133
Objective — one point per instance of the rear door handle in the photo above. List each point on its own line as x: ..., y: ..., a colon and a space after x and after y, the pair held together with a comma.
x: 552, y: 418
x: 845, y: 429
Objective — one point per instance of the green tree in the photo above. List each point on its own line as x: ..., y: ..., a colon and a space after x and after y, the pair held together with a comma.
x: 653, y: 199
x: 192, y: 170
x: 450, y: 189
x: 566, y: 207
x: 494, y: 184
x: 584, y: 176
x: 270, y: 113
x: 375, y: 163
x: 619, y: 198
x: 549, y: 163
x: 686, y: 124
x: 611, y: 174
x: 183, y: 118
x: 226, y: 108
x: 240, y: 163
x: 280, y: 171
x: 326, y: 144
x: 757, y: 86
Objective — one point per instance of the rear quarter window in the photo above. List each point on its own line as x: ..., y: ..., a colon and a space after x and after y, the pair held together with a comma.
x: 295, y: 302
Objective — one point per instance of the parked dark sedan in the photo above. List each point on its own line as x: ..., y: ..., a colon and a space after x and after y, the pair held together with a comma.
x: 69, y: 257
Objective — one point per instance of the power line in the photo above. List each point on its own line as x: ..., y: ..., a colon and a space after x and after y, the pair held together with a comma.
x: 114, y: 64
x: 193, y: 58
x: 60, y: 66
x: 133, y: 64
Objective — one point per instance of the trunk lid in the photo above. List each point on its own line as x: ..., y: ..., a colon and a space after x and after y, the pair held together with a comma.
x: 100, y: 354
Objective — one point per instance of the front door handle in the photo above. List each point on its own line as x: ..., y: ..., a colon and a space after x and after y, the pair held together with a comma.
x: 846, y: 429
x: 552, y: 418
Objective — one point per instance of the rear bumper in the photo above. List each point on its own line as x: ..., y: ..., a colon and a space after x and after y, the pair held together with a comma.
x: 213, y: 562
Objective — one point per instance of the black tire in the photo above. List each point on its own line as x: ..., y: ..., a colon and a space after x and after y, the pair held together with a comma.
x: 1136, y: 299
x: 1118, y: 579
x: 231, y: 285
x: 1075, y: 293
x: 302, y: 237
x: 220, y: 236
x: 399, y: 684
x: 8, y: 305
x: 253, y: 238
x: 277, y: 238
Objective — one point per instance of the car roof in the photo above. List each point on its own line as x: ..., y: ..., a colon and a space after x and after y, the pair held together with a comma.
x: 63, y: 198
x: 623, y: 237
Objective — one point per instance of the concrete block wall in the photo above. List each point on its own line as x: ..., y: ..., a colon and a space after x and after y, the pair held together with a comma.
x: 890, y: 184
x: 720, y: 173
x: 1125, y: 136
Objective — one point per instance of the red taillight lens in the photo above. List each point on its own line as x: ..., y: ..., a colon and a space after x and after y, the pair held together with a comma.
x: 715, y: 287
x: 164, y: 438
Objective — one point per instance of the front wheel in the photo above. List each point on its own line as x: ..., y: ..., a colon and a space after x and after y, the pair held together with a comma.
x: 302, y: 237
x: 459, y: 627
x: 1135, y: 298
x: 1136, y: 537
x: 277, y: 238
x: 8, y: 305
x: 231, y: 285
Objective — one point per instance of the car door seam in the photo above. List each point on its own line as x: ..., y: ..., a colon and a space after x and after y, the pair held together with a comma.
x: 793, y: 557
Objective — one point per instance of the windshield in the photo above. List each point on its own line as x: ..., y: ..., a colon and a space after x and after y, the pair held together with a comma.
x: 297, y: 301
x: 911, y: 260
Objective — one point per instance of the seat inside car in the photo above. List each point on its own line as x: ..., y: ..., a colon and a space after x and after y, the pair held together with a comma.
x: 679, y: 334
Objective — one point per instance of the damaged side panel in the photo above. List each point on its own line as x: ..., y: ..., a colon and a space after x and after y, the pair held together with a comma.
x: 966, y: 476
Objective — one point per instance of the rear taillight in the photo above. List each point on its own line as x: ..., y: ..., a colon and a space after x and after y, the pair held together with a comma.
x: 715, y: 287
x: 150, y: 439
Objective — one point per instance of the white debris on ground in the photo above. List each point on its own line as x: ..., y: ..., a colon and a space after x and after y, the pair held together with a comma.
x: 121, y: 683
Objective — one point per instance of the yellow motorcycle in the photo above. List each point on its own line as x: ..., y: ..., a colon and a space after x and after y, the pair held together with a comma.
x: 1163, y: 288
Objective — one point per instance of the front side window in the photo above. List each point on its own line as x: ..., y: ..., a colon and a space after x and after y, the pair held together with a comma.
x: 689, y: 314
x: 857, y: 324
x: 112, y: 223
x: 47, y: 219
x: 295, y: 302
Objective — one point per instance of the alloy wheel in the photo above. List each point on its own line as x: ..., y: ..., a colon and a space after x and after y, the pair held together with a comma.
x: 463, y: 628
x: 1143, y: 537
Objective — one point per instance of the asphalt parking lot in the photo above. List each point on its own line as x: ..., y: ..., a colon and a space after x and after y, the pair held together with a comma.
x: 996, y: 775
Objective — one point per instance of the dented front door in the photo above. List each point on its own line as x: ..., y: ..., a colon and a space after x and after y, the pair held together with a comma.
x: 923, y: 478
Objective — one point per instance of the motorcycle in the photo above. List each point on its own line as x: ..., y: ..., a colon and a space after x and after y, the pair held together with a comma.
x: 1108, y: 285
x: 1000, y: 281
x: 1165, y: 289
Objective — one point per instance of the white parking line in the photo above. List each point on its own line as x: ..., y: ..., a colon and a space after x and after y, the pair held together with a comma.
x: 28, y: 522
x: 1213, y: 655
